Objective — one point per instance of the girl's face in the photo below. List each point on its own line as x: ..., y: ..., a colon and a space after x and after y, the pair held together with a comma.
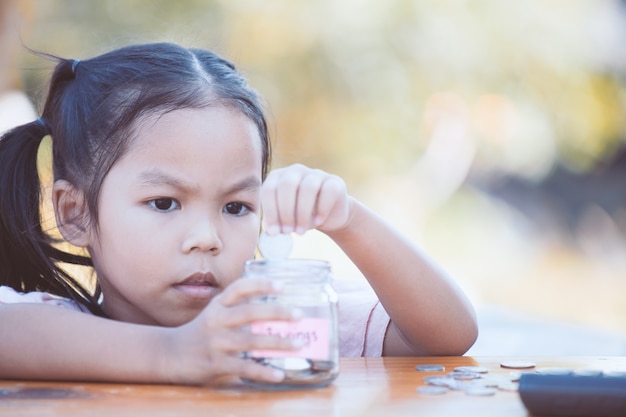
x: 179, y: 215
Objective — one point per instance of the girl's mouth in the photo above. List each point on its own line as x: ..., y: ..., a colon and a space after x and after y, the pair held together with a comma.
x: 199, y: 285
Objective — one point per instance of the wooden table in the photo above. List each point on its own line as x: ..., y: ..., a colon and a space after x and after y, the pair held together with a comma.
x: 366, y: 387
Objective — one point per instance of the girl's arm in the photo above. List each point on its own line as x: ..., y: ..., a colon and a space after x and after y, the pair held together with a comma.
x: 47, y: 342
x: 39, y: 341
x: 429, y: 313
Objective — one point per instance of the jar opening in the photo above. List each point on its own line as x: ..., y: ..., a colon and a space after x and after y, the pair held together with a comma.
x: 311, y: 269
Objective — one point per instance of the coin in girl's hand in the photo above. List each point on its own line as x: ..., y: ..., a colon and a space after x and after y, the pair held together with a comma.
x: 274, y: 247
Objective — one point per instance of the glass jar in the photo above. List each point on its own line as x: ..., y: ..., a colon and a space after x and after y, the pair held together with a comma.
x: 306, y: 285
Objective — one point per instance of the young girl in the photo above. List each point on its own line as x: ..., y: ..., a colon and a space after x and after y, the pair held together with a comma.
x: 160, y: 156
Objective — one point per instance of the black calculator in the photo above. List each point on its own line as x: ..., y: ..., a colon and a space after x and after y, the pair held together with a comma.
x: 574, y: 395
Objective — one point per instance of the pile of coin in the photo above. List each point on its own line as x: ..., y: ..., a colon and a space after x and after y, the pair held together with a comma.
x: 473, y: 380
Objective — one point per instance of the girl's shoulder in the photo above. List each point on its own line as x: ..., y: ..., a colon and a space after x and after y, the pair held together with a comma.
x: 10, y: 296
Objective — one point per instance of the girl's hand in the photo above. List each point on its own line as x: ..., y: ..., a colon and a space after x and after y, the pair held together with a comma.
x: 297, y: 198
x: 211, y: 346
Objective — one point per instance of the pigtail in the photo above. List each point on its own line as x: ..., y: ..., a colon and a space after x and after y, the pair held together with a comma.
x: 21, y: 263
x: 28, y: 259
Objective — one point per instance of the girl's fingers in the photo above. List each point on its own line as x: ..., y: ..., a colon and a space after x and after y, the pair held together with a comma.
x: 226, y: 344
x: 248, y: 369
x: 245, y: 314
x: 307, y: 200
x: 298, y: 198
x: 242, y: 289
x: 279, y: 194
x: 332, y: 204
x: 287, y: 190
x: 243, y: 340
x: 232, y: 308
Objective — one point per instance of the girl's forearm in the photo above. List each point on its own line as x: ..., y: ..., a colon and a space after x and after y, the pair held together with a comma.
x: 51, y: 343
x: 430, y: 312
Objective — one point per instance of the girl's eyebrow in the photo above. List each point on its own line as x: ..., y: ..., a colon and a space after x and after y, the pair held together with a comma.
x: 156, y: 177
x: 247, y: 184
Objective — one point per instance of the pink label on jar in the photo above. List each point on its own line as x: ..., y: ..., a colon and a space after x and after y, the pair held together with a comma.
x: 313, y: 332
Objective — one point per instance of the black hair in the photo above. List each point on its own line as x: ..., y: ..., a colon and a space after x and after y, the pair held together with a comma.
x: 90, y: 112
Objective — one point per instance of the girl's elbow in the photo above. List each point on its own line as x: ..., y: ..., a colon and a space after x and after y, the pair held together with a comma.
x: 467, y: 339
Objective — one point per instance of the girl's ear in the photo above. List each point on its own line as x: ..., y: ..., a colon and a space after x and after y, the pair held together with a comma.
x: 72, y: 213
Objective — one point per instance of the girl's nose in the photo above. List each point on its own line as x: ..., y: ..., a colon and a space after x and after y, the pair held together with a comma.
x: 203, y: 236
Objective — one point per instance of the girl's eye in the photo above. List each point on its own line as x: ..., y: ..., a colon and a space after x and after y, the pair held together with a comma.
x: 237, y: 209
x: 164, y: 204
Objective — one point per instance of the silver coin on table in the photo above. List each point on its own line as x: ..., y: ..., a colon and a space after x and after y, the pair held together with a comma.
x: 518, y: 364
x: 476, y: 369
x: 495, y: 380
x: 480, y: 391
x: 555, y: 371
x: 464, y: 376
x: 508, y: 386
x: 430, y: 368
x: 441, y: 381
x: 274, y: 247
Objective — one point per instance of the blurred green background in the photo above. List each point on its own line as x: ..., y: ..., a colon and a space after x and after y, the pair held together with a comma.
x: 490, y: 131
